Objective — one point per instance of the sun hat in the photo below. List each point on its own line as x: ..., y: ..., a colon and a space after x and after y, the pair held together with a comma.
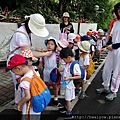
x: 63, y: 43
x: 89, y: 33
x: 66, y: 14
x: 71, y: 36
x: 84, y: 46
x: 100, y: 32
x: 77, y: 39
x: 15, y: 61
x: 51, y: 38
x: 37, y: 25
x: 70, y: 41
x: 86, y: 38
x: 28, y: 54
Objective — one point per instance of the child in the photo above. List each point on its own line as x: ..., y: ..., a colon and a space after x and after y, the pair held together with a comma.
x: 29, y: 57
x: 49, y: 64
x: 100, y: 41
x: 18, y: 65
x: 71, y: 39
x: 67, y: 55
x: 84, y: 47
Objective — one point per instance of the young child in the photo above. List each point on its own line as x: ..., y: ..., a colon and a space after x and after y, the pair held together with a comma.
x: 18, y: 65
x: 29, y: 57
x: 49, y: 64
x: 84, y: 47
x: 100, y: 41
x: 71, y: 39
x: 67, y: 55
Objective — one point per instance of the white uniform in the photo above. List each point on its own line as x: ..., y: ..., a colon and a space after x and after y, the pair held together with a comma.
x: 99, y: 44
x: 70, y: 88
x: 18, y: 40
x: 49, y: 64
x: 25, y: 85
x: 112, y: 62
x: 84, y: 62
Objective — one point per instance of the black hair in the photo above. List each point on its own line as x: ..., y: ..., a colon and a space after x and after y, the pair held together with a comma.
x: 116, y: 7
x: 26, y: 25
x: 113, y: 11
x: 65, y: 52
x: 54, y: 43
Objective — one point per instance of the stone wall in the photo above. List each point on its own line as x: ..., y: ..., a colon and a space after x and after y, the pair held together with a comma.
x: 7, y: 29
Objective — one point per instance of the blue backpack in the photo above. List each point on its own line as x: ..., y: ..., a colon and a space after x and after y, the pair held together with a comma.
x: 81, y: 69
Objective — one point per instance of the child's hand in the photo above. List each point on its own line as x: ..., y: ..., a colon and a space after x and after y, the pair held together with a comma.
x: 66, y: 78
x: 19, y: 107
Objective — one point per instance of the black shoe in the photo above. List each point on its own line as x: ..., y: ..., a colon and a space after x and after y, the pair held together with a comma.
x: 63, y: 110
x: 57, y: 103
x: 66, y: 114
x: 77, y: 91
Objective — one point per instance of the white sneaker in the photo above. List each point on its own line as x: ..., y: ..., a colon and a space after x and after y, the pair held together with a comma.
x: 111, y: 96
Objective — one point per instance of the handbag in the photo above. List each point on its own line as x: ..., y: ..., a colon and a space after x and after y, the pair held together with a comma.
x: 62, y: 35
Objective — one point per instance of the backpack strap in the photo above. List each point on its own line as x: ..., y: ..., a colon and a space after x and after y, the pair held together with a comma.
x: 72, y: 66
x: 81, y: 69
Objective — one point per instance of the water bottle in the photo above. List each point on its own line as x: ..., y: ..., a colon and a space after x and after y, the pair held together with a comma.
x: 62, y: 87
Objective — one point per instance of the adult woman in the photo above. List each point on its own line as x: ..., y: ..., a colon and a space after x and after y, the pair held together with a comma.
x: 21, y: 39
x: 112, y: 61
x: 66, y: 26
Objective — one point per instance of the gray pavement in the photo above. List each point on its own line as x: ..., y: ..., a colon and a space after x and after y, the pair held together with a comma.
x: 7, y: 90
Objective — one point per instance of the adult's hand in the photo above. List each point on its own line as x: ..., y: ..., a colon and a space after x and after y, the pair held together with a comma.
x: 110, y: 47
x: 41, y: 54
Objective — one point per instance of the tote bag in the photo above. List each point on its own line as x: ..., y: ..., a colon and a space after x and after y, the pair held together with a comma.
x: 62, y: 35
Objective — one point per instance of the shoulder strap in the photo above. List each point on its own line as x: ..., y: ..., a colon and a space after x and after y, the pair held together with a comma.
x: 17, y: 47
x: 72, y: 66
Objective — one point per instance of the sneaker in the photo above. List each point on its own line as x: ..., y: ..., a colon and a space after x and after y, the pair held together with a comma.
x: 66, y: 114
x: 63, y: 110
x: 77, y: 91
x: 111, y: 96
x: 103, y: 90
x: 82, y: 95
x: 57, y: 103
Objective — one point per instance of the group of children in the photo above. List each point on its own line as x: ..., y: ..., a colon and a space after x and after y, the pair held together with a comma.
x: 64, y: 53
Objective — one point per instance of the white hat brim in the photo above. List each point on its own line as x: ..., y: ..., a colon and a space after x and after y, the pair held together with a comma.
x: 42, y: 32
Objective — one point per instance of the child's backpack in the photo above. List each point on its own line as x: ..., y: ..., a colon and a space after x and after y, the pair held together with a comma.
x: 81, y: 69
x: 55, y: 76
x: 91, y: 68
x: 96, y: 56
x: 40, y: 94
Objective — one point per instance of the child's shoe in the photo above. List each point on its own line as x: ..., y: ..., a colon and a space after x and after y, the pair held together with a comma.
x: 82, y: 95
x: 77, y: 91
x: 63, y: 110
x: 66, y: 114
x: 57, y: 103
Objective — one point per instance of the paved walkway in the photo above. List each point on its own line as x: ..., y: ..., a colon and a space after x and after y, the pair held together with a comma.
x: 7, y: 88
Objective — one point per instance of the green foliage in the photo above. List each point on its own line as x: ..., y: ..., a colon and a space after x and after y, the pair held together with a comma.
x: 52, y: 10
